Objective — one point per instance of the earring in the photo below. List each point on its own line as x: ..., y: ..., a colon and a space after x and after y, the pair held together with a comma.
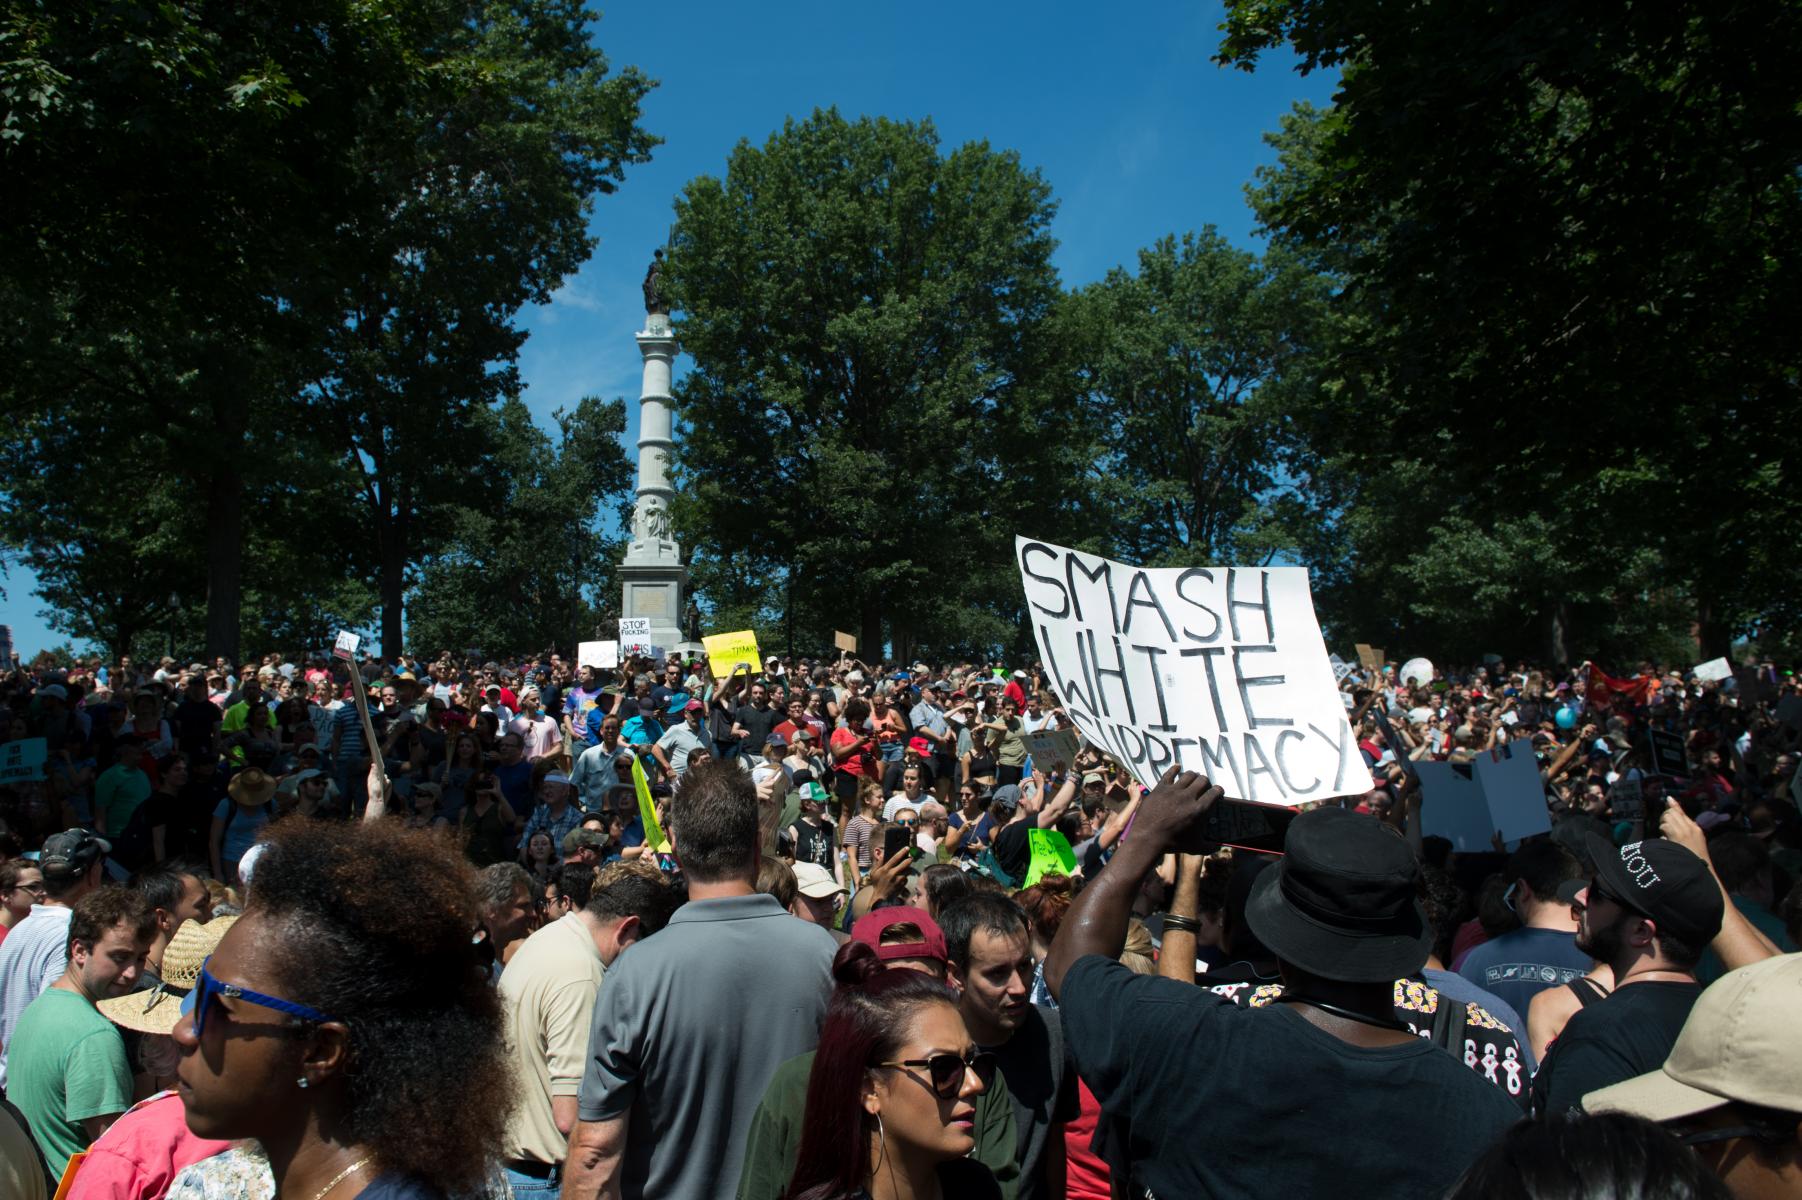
x: 881, y: 1145
x: 302, y: 1081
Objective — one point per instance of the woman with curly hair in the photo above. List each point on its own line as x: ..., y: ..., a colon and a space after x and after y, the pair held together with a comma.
x: 344, y: 1022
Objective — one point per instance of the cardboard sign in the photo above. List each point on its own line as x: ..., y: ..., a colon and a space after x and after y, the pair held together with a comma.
x: 654, y: 836
x: 23, y: 760
x: 346, y: 645
x: 1399, y: 748
x: 602, y: 655
x: 1220, y: 670
x: 844, y: 641
x: 1667, y: 753
x: 1049, y: 746
x: 1051, y: 855
x: 1369, y: 657
x: 1714, y: 670
x: 1468, y: 803
x: 726, y: 652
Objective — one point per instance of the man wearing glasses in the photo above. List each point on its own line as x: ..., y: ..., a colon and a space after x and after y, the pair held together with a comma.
x: 1649, y: 910
x: 21, y: 886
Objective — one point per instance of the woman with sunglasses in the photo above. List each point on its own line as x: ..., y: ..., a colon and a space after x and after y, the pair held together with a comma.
x: 891, y: 1099
x: 343, y: 1021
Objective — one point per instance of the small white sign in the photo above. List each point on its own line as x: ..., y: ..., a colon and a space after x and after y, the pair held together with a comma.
x: 346, y: 645
x: 634, y: 627
x: 1713, y: 670
x: 602, y: 655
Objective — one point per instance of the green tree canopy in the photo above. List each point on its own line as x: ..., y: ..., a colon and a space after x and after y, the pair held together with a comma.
x: 877, y: 401
x: 1564, y: 244
x: 1195, y: 365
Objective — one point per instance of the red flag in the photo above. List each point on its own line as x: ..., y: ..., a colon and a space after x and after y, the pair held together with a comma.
x: 1603, y: 690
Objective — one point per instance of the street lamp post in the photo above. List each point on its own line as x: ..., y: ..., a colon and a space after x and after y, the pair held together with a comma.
x: 174, y: 605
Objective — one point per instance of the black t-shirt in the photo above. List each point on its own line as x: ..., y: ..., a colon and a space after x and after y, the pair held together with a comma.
x: 1613, y: 1040
x: 1013, y: 848
x: 1222, y: 1101
x: 964, y: 1178
x: 194, y: 723
x: 891, y: 776
x: 1471, y: 1033
x: 1041, y: 1082
x: 759, y: 721
x: 813, y: 844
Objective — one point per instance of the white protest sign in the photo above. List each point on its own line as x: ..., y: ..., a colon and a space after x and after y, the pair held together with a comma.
x: 1220, y: 670
x: 346, y: 645
x: 634, y: 635
x: 1468, y: 803
x: 1341, y: 668
x: 1714, y: 669
x: 23, y: 759
x: 602, y: 655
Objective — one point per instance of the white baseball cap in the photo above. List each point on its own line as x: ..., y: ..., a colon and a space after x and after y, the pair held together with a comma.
x: 816, y: 882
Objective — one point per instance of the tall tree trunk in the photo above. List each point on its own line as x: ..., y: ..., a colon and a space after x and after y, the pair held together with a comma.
x: 1714, y: 639
x: 1557, y: 641
x: 392, y: 532
x: 869, y: 635
x: 231, y: 403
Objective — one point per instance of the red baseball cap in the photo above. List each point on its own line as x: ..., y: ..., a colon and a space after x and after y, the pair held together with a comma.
x: 870, y: 927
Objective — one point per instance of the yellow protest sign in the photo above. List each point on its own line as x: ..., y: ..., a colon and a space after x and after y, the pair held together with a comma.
x: 1051, y: 855
x: 647, y: 810
x: 726, y: 651
x: 844, y: 641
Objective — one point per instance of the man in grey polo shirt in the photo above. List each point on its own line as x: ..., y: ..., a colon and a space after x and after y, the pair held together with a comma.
x: 691, y: 1024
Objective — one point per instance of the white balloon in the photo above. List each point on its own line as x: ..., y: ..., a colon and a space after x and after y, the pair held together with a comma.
x: 1417, y: 671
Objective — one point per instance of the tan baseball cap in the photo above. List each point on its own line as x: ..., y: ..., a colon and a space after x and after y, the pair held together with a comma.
x: 1739, y: 1043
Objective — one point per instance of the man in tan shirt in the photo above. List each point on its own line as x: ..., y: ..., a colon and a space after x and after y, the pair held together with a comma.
x: 549, y: 990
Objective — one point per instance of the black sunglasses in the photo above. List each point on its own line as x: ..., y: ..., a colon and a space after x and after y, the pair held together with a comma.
x: 945, y: 1072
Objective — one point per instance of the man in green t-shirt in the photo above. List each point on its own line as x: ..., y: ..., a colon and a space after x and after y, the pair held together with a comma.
x: 120, y: 789
x: 66, y: 1067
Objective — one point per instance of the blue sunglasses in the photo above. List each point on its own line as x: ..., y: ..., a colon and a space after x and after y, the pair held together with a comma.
x: 207, y: 989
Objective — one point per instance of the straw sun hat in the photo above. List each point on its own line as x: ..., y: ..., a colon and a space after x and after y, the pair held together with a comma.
x: 157, y: 1010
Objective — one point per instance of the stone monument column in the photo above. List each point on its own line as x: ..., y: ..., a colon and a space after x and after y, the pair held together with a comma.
x: 654, y: 577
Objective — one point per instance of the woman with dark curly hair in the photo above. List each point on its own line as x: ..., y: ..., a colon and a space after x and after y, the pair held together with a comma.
x: 345, y: 1024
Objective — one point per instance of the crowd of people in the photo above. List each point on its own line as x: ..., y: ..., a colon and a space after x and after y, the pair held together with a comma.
x: 791, y: 932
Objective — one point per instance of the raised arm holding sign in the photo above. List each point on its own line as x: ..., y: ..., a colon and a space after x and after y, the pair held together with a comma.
x: 1220, y: 670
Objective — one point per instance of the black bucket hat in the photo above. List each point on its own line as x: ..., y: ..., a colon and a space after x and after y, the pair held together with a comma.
x: 1342, y: 904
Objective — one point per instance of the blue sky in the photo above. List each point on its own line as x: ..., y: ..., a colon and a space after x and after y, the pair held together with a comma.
x: 1137, y: 131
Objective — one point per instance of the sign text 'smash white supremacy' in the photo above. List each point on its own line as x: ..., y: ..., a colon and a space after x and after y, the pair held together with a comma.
x: 1220, y: 670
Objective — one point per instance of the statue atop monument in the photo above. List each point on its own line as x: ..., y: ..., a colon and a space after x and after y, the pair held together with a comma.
x: 655, y: 301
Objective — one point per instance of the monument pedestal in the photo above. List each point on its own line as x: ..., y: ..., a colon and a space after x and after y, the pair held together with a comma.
x: 653, y: 576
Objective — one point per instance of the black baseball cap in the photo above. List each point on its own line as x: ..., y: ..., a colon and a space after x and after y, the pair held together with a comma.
x: 72, y: 852
x: 1659, y: 879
